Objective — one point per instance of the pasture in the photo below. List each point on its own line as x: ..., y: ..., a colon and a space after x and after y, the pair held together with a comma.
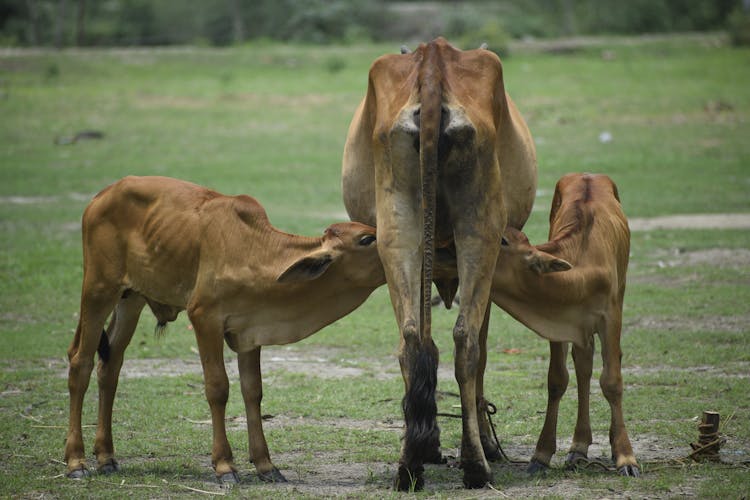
x: 667, y: 118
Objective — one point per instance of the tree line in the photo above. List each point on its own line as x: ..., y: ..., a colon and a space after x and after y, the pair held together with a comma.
x: 63, y: 23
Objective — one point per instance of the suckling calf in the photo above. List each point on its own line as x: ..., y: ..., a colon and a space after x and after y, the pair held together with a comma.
x: 177, y: 246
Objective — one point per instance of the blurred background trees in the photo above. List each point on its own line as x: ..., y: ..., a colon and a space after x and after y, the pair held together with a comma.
x: 63, y: 23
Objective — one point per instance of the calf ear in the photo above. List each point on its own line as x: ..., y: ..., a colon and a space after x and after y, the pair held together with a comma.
x: 307, y: 268
x: 556, y: 265
x: 543, y: 263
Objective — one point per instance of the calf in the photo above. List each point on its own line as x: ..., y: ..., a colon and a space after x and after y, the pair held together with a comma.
x: 174, y: 246
x: 589, y: 231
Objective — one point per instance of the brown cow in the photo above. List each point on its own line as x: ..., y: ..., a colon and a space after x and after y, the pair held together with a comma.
x: 588, y: 230
x: 175, y: 245
x: 437, y: 153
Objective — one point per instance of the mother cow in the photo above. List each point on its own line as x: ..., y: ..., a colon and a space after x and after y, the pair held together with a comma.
x: 437, y: 155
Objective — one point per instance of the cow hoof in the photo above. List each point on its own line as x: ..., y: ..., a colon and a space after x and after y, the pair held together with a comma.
x: 492, y: 453
x: 629, y: 471
x: 272, y: 476
x: 435, y: 457
x: 407, y: 480
x: 109, y: 467
x: 476, y: 475
x: 229, y: 478
x: 575, y: 459
x: 537, y: 467
x: 78, y: 473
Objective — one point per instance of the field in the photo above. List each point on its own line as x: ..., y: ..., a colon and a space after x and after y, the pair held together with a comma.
x: 667, y: 118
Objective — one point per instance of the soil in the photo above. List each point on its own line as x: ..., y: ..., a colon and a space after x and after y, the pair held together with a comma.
x: 692, y: 221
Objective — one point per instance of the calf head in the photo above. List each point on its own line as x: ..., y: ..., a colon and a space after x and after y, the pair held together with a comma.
x: 518, y: 255
x: 349, y: 249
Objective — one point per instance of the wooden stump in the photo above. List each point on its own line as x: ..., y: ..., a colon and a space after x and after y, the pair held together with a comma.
x: 709, y: 441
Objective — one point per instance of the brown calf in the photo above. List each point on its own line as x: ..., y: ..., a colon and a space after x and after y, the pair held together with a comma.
x: 590, y: 240
x: 175, y: 245
x: 588, y: 230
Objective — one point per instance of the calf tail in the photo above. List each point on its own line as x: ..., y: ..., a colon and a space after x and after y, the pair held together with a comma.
x: 103, y: 348
x: 160, y: 329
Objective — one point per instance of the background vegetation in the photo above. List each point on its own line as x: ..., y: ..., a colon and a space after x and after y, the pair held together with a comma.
x: 221, y: 22
x: 270, y: 120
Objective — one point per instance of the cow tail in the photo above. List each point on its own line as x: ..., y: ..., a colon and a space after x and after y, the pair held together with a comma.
x: 420, y: 408
x: 431, y: 99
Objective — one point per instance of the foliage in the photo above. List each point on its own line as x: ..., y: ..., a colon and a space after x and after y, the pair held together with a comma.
x: 739, y: 27
x: 492, y: 34
x: 222, y: 22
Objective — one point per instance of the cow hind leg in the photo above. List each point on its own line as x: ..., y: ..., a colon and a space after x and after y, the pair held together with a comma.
x: 477, y: 472
x: 113, y: 342
x: 252, y: 393
x: 611, y: 384
x: 490, y: 447
x: 96, y: 304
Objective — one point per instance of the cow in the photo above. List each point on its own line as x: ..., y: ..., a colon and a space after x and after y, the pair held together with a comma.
x: 437, y: 155
x: 178, y: 246
x: 589, y: 239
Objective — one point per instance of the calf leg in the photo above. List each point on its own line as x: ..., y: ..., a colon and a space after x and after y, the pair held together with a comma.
x: 583, y: 358
x: 209, y: 334
x: 97, y: 301
x: 120, y: 331
x: 252, y: 393
x: 557, y: 384
x: 611, y: 384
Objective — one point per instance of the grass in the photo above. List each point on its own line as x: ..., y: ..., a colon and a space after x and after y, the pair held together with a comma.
x: 270, y: 120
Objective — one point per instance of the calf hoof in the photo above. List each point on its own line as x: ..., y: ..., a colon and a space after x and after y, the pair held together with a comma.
x: 476, y: 475
x: 575, y: 459
x: 78, y: 473
x: 408, y: 480
x: 109, y: 467
x: 629, y: 471
x: 537, y: 467
x: 272, y: 476
x: 229, y: 478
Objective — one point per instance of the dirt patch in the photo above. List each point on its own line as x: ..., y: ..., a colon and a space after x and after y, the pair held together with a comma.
x: 719, y: 257
x: 735, y: 370
x: 41, y: 200
x: 691, y: 221
x: 328, y: 474
x: 732, y: 324
x: 716, y: 257
x: 324, y: 363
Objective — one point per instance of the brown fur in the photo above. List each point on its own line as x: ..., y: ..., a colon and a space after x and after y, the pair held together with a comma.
x: 442, y: 109
x: 589, y: 231
x: 174, y: 245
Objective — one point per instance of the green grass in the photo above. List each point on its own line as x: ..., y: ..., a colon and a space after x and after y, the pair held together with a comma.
x: 271, y: 120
